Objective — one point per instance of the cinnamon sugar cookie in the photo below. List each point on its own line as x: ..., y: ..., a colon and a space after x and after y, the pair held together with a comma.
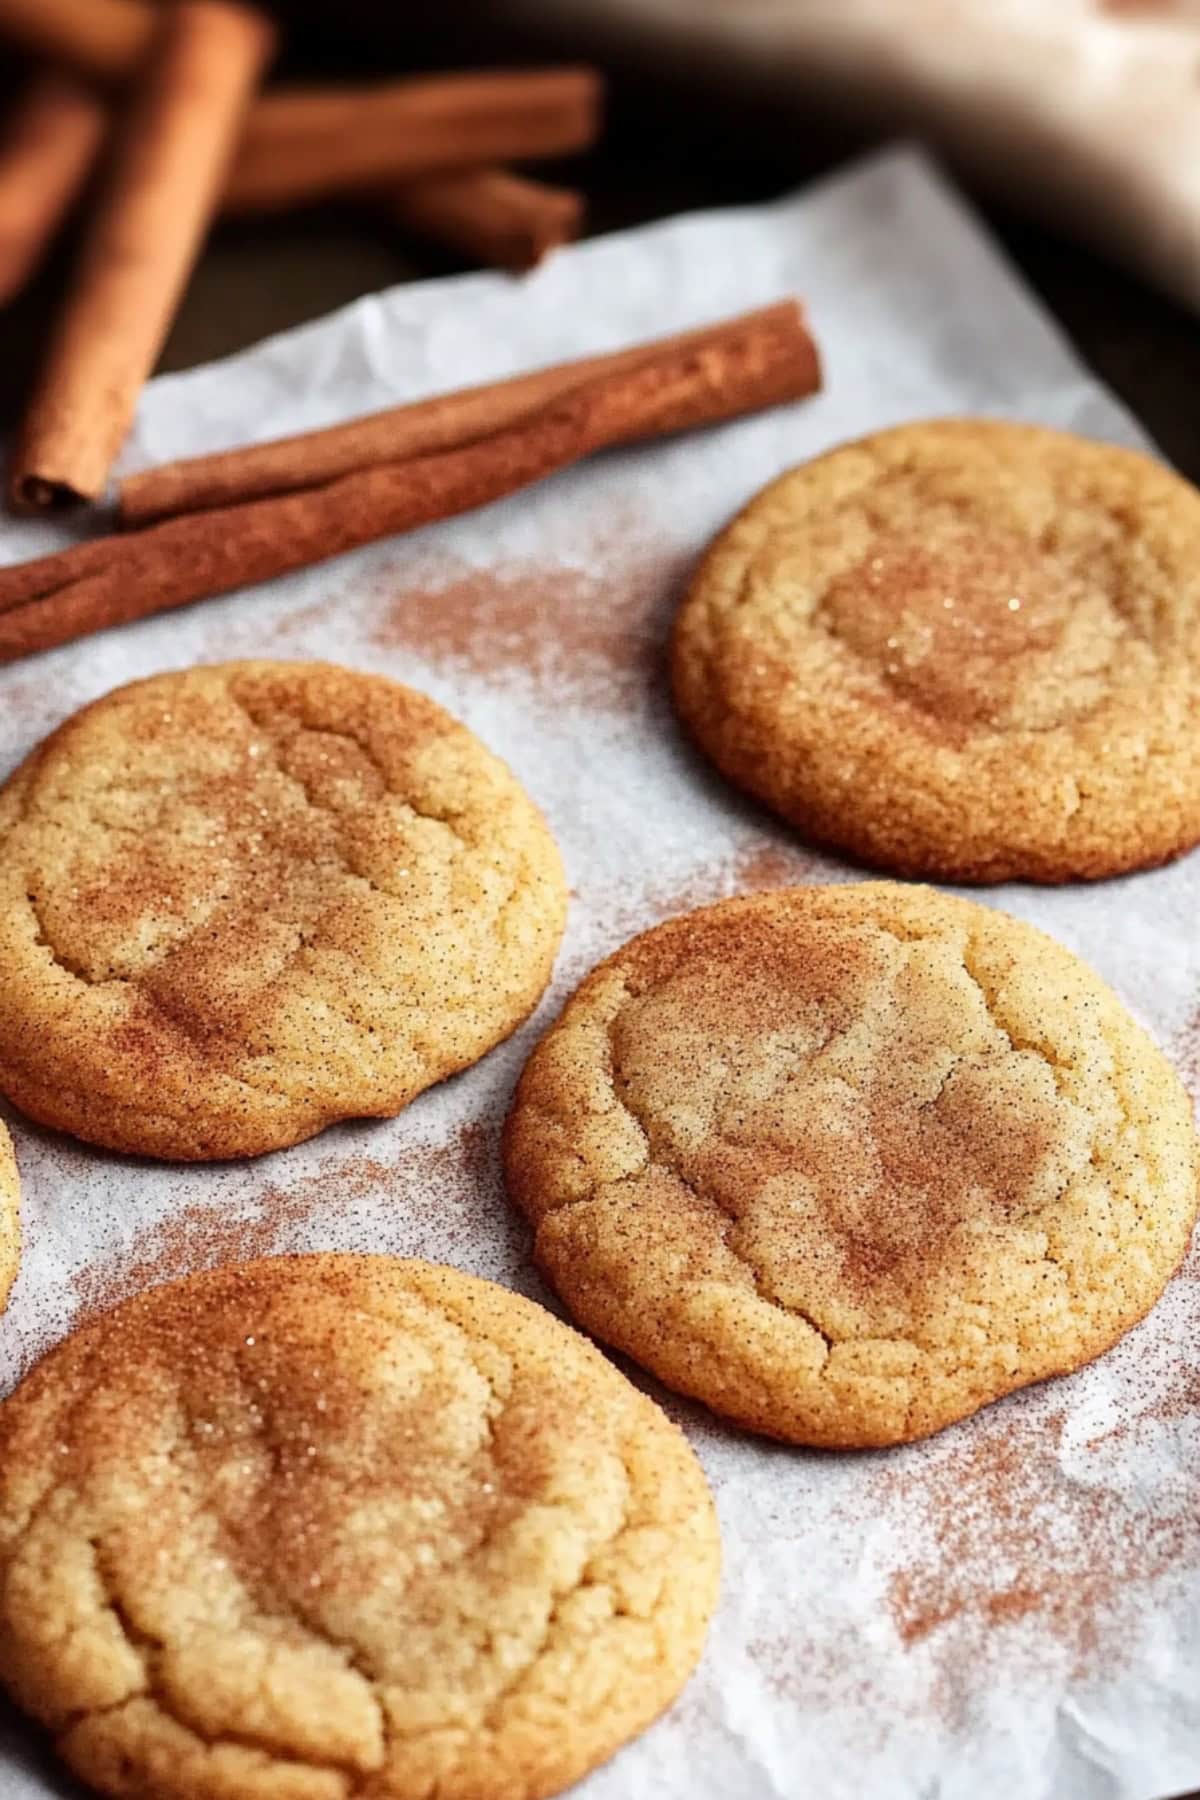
x: 238, y: 903
x: 10, y: 1222
x: 336, y: 1526
x: 847, y: 1163
x: 962, y: 648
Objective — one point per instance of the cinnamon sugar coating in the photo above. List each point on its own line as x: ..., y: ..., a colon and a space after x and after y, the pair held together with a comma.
x: 10, y: 1220
x: 962, y: 648
x: 848, y: 1163
x: 344, y: 1528
x: 240, y: 902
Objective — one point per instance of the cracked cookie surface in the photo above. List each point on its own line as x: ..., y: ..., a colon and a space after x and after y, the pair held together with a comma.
x: 847, y: 1163
x: 961, y: 648
x: 240, y: 902
x: 10, y: 1219
x: 344, y: 1528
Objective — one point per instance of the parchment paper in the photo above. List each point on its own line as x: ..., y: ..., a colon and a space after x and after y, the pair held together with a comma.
x: 1010, y: 1610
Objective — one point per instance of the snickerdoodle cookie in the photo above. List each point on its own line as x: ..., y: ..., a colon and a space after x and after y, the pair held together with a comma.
x: 344, y: 1528
x: 962, y: 648
x: 10, y: 1222
x: 846, y: 1163
x: 238, y: 903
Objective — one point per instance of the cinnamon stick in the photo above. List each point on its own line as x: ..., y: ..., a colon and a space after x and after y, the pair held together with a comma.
x: 102, y: 39
x: 758, y: 362
x: 308, y: 143
x: 418, y: 428
x: 489, y: 215
x: 146, y: 232
x: 46, y: 156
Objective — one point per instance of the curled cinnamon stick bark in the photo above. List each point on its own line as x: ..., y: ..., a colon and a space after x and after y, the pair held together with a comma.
x: 162, y: 190
x: 306, y: 144
x: 46, y: 155
x: 286, y: 465
x: 489, y: 215
x: 103, y: 39
x: 758, y: 362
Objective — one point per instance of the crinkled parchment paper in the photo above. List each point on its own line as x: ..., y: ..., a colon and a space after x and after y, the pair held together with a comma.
x: 1012, y: 1609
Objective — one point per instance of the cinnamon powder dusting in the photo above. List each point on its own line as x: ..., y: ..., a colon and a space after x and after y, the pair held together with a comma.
x: 757, y: 865
x: 207, y: 1235
x: 762, y: 865
x: 811, y: 1671
x: 591, y: 635
x: 1009, y: 1535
